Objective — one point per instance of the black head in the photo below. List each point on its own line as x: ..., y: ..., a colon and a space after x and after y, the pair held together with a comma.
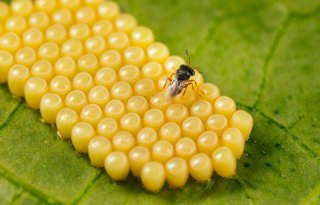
x: 184, y: 72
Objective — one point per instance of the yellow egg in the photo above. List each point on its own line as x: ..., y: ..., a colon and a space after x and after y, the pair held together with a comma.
x: 70, y: 4
x: 39, y: 20
x: 177, y: 113
x: 125, y: 22
x: 17, y: 78
x: 162, y: 151
x: 185, y: 148
x: 197, y: 79
x: 91, y: 114
x: 16, y: 24
x: 106, y: 77
x: 88, y: 63
x: 108, y: 10
x: 49, y: 51
x: 117, y: 165
x: 145, y: 87
x: 147, y: 137
x: 118, y: 41
x: 42, y: 69
x: 85, y: 15
x: 159, y: 101
x: 63, y: 17
x: 49, y: 107
x: 95, y: 45
x: 111, y: 58
x: 192, y: 127
x: 142, y: 36
x: 102, y: 28
x: 56, y: 33
x: 115, y: 109
x: 177, y: 172
x: 154, y: 118
x: 224, y: 162
x: 46, y: 5
x: 5, y: 11
x: 207, y: 142
x: 34, y: 89
x: 33, y: 37
x: 83, y: 81
x: 65, y: 120
x: 99, y: 95
x: 6, y: 61
x: 153, y: 176
x: 130, y: 74
x: 187, y: 97
x: 1, y: 29
x: 79, y: 31
x: 157, y: 52
x: 138, y: 157
x: 200, y: 167
x: 172, y: 63
x: 209, y: 92
x: 81, y: 135
x: 152, y: 70
x: 224, y: 106
x: 65, y: 66
x: 202, y: 109
x: 233, y: 138
x: 123, y: 141
x: 217, y: 123
x: 9, y: 42
x: 60, y: 85
x: 131, y: 122
x: 171, y: 132
x: 121, y: 91
x: 98, y: 149
x: 76, y: 100
x: 107, y: 127
x: 21, y: 7
x: 137, y: 104
x: 163, y: 83
x: 26, y: 56
x: 72, y: 48
x: 243, y: 121
x: 135, y: 56
x: 93, y: 3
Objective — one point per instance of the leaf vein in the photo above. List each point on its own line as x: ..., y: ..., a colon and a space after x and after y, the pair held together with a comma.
x: 12, y: 178
x: 287, y: 130
x: 16, y: 196
x: 313, y: 197
x: 6, y: 122
x: 281, y: 32
x: 90, y: 184
x: 250, y: 198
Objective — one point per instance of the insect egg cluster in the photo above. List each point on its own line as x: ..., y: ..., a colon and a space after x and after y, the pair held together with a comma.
x: 99, y: 76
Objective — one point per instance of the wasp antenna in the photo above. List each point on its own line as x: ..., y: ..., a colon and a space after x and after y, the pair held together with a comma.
x: 188, y: 56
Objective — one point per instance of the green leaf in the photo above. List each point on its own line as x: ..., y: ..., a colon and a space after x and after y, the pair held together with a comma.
x: 264, y: 54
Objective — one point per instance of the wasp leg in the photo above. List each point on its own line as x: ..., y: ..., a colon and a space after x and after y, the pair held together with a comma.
x: 184, y: 92
x: 168, y: 79
x: 185, y: 87
x: 196, y: 84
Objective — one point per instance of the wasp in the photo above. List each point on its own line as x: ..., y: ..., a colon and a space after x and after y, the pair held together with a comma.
x: 180, y: 80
